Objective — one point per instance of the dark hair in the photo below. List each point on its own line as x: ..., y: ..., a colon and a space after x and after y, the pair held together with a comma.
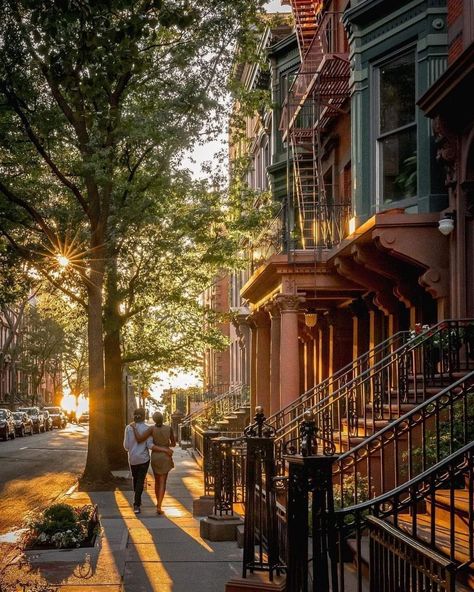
x: 158, y: 419
x: 139, y: 414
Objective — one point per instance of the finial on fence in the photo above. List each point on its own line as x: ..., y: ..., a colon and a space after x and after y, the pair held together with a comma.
x: 307, y: 434
x: 259, y: 429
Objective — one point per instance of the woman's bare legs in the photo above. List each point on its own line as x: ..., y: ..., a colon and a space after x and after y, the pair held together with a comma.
x: 160, y: 488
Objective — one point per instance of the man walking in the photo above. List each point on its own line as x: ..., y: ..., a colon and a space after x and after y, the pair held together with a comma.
x: 138, y: 455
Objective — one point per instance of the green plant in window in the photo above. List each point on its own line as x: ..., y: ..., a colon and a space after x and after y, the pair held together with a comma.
x: 406, y: 180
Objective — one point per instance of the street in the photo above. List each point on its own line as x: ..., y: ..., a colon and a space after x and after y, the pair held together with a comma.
x: 34, y: 470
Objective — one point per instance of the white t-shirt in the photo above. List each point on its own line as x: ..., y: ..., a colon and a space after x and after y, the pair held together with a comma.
x: 138, y: 452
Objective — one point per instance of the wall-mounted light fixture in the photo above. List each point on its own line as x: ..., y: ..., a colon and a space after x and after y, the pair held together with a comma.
x: 446, y: 223
x: 310, y: 319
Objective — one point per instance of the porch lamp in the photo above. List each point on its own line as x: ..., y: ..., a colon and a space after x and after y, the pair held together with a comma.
x: 310, y: 319
x: 446, y: 223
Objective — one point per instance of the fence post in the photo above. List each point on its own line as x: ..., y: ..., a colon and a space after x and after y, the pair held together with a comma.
x: 223, y: 476
x: 260, y: 500
x: 311, y: 474
x: 222, y: 524
x: 204, y: 505
x: 207, y: 461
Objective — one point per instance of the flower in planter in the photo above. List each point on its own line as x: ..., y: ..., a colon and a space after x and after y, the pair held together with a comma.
x: 62, y: 526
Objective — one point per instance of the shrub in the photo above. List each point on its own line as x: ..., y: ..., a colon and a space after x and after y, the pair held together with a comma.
x: 61, y: 526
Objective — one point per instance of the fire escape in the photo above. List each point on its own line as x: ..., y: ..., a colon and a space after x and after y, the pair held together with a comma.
x: 315, y: 97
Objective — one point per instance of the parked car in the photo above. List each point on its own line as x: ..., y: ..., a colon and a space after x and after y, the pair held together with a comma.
x: 48, y: 421
x: 37, y: 418
x: 7, y: 425
x: 58, y: 416
x: 23, y: 423
x: 83, y: 418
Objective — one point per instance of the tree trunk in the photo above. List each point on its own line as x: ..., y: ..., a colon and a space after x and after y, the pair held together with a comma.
x: 114, y: 395
x: 97, y: 464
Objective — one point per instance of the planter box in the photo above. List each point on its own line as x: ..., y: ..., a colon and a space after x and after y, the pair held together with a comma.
x: 90, y: 541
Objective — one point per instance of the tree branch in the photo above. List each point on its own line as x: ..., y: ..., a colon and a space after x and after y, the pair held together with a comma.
x: 40, y: 148
x: 25, y: 253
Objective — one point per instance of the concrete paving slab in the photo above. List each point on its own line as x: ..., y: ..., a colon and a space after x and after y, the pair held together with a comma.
x: 171, y: 577
x: 98, y: 587
x: 188, y: 551
x: 91, y: 571
x: 167, y: 535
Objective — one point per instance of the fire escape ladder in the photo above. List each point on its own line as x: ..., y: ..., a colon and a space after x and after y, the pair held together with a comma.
x: 315, y: 99
x: 305, y: 13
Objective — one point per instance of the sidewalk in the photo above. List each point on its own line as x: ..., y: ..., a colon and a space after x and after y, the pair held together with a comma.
x: 145, y: 553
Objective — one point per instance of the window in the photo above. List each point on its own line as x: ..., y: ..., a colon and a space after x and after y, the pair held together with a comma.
x: 396, y: 140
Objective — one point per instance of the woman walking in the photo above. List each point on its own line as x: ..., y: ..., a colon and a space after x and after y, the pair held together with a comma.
x: 161, y: 461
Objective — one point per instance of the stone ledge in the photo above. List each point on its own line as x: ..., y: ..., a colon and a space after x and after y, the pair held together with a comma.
x: 216, y: 528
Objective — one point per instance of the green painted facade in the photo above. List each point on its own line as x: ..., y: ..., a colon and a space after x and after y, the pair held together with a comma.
x: 378, y: 29
x: 285, y: 60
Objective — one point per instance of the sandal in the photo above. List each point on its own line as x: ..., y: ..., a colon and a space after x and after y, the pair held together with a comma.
x: 159, y: 511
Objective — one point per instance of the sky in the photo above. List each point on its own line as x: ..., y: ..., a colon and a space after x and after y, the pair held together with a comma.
x: 207, y: 152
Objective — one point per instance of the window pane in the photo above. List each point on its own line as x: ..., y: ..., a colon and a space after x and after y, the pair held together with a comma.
x: 398, y: 153
x: 397, y: 93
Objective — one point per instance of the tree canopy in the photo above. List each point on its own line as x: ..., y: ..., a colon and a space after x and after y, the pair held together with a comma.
x: 98, y: 99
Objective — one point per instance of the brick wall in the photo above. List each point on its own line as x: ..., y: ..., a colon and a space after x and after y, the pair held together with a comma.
x: 455, y: 29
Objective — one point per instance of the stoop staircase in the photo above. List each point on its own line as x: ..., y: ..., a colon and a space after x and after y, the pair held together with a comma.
x: 379, y: 387
x: 396, y: 430
x: 226, y: 413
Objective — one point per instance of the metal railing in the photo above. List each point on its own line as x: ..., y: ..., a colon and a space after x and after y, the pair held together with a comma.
x: 329, y: 43
x: 405, y: 508
x: 323, y: 225
x: 409, y: 445
x: 215, y: 409
x: 293, y: 412
x: 384, y: 391
x: 397, y: 560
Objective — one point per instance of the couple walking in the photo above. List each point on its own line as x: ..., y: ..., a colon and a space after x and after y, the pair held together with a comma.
x: 141, y: 438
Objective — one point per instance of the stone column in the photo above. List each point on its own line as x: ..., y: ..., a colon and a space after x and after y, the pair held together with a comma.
x: 309, y: 361
x: 253, y: 365
x: 275, y: 332
x: 262, y: 363
x: 242, y: 326
x: 289, y: 348
x: 360, y: 328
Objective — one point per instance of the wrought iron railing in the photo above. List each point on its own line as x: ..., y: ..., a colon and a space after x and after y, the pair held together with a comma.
x: 293, y: 412
x: 397, y: 560
x: 323, y: 225
x: 385, y: 390
x: 405, y: 508
x: 215, y: 409
x: 322, y: 540
x: 411, y: 444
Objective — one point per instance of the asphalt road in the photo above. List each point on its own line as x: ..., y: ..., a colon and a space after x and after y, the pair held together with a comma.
x: 34, y: 470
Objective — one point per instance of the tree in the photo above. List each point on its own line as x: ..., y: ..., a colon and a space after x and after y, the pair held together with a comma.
x: 42, y: 346
x: 93, y: 93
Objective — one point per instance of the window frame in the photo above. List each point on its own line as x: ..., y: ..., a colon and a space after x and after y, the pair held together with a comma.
x: 378, y: 136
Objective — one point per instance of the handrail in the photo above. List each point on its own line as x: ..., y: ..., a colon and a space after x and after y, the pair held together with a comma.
x: 415, y: 438
x: 367, y: 388
x: 403, y: 418
x: 417, y: 566
x: 439, y: 468
x: 191, y: 416
x: 326, y: 383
